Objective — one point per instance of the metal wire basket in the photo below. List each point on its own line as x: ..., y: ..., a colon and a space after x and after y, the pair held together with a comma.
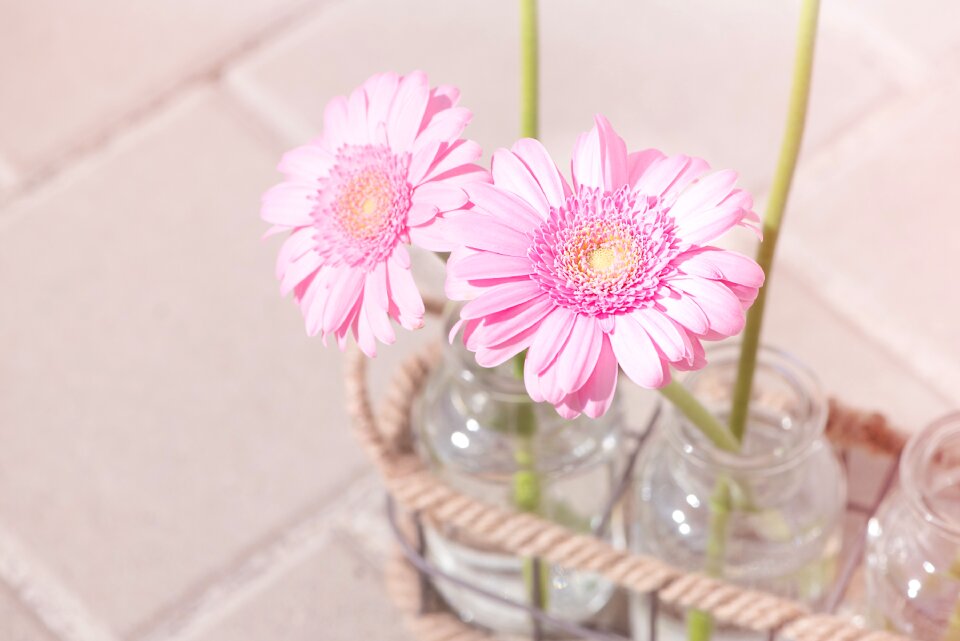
x: 415, y: 495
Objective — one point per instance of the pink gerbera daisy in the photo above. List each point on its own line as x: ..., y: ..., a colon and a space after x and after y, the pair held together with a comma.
x: 389, y: 165
x: 613, y: 272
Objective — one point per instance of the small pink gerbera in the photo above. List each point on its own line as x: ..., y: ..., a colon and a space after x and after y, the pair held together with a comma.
x: 614, y: 272
x: 389, y: 165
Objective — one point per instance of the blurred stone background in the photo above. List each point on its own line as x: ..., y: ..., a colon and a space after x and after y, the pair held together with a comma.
x: 175, y: 462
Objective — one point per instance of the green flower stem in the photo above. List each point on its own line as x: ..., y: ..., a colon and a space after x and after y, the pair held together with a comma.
x: 526, y: 481
x: 687, y: 403
x: 528, y: 493
x: 529, y: 70
x: 699, y: 623
x: 780, y: 190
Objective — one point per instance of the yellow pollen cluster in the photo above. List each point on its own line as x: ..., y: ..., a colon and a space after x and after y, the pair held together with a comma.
x: 601, y: 259
x: 599, y: 254
x: 364, y: 203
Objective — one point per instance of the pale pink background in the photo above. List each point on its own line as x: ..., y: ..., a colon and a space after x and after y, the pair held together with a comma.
x: 175, y: 462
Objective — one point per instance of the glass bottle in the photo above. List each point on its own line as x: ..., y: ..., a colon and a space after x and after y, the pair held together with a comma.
x: 913, y: 542
x: 482, y: 434
x: 767, y: 517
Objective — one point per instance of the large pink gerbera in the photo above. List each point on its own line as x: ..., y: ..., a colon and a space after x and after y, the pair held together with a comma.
x: 615, y: 271
x: 389, y: 165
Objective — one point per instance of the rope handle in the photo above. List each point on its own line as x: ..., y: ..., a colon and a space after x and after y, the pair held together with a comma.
x: 387, y: 439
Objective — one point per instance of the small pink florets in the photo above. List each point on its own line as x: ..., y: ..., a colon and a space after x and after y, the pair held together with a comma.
x: 612, y: 273
x: 387, y: 171
x: 603, y: 253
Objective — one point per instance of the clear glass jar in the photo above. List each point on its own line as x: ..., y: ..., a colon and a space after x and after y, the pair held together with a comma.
x: 913, y: 542
x: 780, y: 500
x: 480, y: 431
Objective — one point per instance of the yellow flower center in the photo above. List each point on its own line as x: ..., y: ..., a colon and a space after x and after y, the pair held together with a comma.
x: 601, y: 253
x: 601, y: 259
x: 364, y: 203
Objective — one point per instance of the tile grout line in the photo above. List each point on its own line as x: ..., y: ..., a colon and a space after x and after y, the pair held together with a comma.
x: 58, y: 609
x: 138, y: 115
x: 193, y: 616
x: 841, y: 293
x: 8, y: 175
x: 267, y: 112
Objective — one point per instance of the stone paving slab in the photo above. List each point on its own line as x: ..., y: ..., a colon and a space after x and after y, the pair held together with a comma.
x: 157, y: 397
x: 72, y: 71
x: 928, y: 29
x: 873, y: 229
x: 332, y: 595
x: 17, y: 623
x: 697, y: 77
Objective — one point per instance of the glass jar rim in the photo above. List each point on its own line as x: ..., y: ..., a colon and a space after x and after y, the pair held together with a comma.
x: 917, y: 456
x: 796, y: 375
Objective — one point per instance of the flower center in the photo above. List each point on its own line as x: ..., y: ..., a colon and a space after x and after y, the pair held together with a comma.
x: 364, y: 203
x: 602, y: 252
x: 601, y: 259
x: 363, y: 206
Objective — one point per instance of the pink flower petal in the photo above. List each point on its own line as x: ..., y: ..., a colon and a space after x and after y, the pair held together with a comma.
x: 492, y: 235
x: 705, y: 225
x: 502, y: 352
x: 380, y: 88
x: 423, y: 158
x: 596, y: 395
x: 668, y: 339
x: 510, y: 174
x: 296, y: 245
x: 511, y: 322
x: 344, y: 294
x: 366, y: 340
x: 357, y: 116
x: 504, y: 206
x: 695, y: 168
x: 638, y: 356
x: 721, y: 306
x: 290, y: 204
x: 686, y: 312
x: 706, y: 193
x: 661, y: 174
x: 613, y: 155
x: 308, y: 162
x: 444, y: 127
x: 471, y: 265
x: 442, y: 196
x: 568, y: 408
x: 500, y: 298
x: 587, y: 164
x: 459, y: 153
x: 404, y: 293
x: 552, y: 336
x: 433, y: 236
x: 576, y: 361
x: 407, y: 111
x: 378, y: 320
x: 421, y: 213
x: 335, y: 122
x: 544, y: 170
x: 299, y: 270
x: 639, y: 162
x: 442, y: 98
x: 721, y: 264
x: 375, y: 288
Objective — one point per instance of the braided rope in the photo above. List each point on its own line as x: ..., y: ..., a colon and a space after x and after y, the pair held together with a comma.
x: 388, y: 443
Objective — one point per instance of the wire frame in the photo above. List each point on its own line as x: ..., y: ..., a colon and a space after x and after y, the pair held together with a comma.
x: 416, y: 554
